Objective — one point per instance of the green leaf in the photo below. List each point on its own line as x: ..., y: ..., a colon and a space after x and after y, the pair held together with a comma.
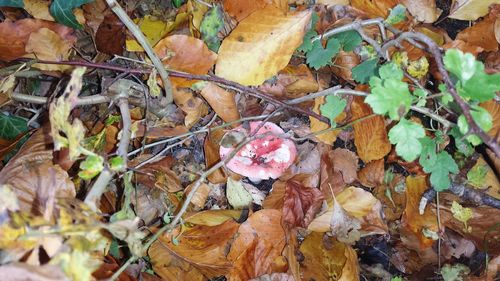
x: 332, y: 108
x: 421, y: 94
x: 463, y: 66
x: 447, y: 97
x: 440, y: 170
x: 483, y: 119
x: 389, y: 96
x: 462, y: 214
x: 117, y: 164
x: 397, y: 15
x: 454, y: 272
x: 362, y: 72
x: 318, y: 57
x: 390, y: 71
x: 463, y: 146
x: 62, y: 11
x: 12, y: 3
x: 178, y: 3
x: 428, y: 153
x: 212, y: 23
x: 307, y: 44
x: 405, y: 136
x: 11, y: 126
x: 480, y: 87
x: 349, y: 40
x: 91, y: 167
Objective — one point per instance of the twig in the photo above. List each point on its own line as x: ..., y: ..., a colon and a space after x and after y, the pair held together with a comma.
x: 90, y: 100
x: 139, y: 36
x: 469, y: 194
x: 433, y: 48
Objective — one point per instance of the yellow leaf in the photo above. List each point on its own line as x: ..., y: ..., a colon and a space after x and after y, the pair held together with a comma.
x: 418, y: 68
x: 470, y: 9
x: 261, y: 45
x: 196, y: 12
x: 45, y: 44
x: 462, y: 214
x: 39, y: 9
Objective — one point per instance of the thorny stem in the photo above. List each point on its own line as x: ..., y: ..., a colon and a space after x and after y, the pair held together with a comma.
x: 139, y: 36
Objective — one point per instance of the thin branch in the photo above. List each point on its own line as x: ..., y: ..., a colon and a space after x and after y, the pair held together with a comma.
x: 139, y: 36
x: 90, y: 100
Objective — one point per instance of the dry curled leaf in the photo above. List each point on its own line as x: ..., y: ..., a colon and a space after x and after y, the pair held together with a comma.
x: 423, y: 10
x: 300, y: 204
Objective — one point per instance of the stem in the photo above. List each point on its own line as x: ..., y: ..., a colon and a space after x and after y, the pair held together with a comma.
x: 139, y: 36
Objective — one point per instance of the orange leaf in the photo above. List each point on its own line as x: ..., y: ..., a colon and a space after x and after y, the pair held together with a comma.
x: 261, y: 45
x: 301, y: 204
x: 370, y: 135
x: 372, y: 174
x: 374, y: 9
x: 45, y: 44
x: 481, y: 34
x: 221, y: 101
x: 423, y: 10
x: 212, y: 156
x: 343, y: 64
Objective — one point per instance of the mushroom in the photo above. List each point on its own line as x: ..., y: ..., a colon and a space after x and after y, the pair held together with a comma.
x: 263, y: 158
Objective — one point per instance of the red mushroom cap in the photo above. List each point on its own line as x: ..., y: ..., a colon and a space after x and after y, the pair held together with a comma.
x: 263, y: 158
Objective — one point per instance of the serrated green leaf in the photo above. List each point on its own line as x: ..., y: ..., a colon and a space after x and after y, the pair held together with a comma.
x: 212, y: 23
x: 477, y: 175
x: 349, y: 40
x: 397, y: 15
x: 332, y: 108
x: 481, y: 87
x: 440, y: 170
x: 428, y: 152
x: 389, y: 96
x: 318, y: 57
x: 11, y: 126
x: 390, y: 71
x: 12, y: 3
x: 483, y: 119
x: 463, y: 66
x: 463, y: 146
x: 454, y: 272
x: 405, y: 136
x: 362, y: 72
x: 62, y: 11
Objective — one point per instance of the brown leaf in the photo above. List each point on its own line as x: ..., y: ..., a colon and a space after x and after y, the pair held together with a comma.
x: 412, y: 220
x: 259, y: 242
x: 34, y: 178
x: 39, y: 9
x: 200, y: 251
x: 15, y: 36
x: 275, y: 199
x: 469, y: 9
x: 201, y: 195
x: 194, y: 107
x: 160, y: 131
x: 300, y: 205
x: 187, y: 54
x: 221, y: 101
x: 481, y: 34
x: 423, y: 10
x: 464, y: 47
x: 240, y: 9
x: 346, y: 162
x: 149, y: 203
x: 331, y: 181
x: 94, y: 13
x: 494, y: 109
x: 23, y: 271
x: 45, y: 44
x: 370, y: 135
x: 7, y: 146
x: 292, y: 82
x: 372, y: 174
x: 158, y: 175
x: 110, y: 35
x: 212, y: 156
x: 374, y: 9
x: 343, y: 64
x: 393, y: 200
x: 212, y: 217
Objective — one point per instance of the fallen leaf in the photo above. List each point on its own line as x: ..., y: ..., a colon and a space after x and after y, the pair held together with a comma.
x: 94, y: 13
x: 212, y: 156
x: 158, y: 131
x: 423, y: 10
x: 110, y: 35
x: 333, y: 2
x: 45, y: 44
x: 370, y: 135
x: 470, y: 9
x: 159, y: 175
x: 260, y: 240
x: 16, y: 35
x: 201, y: 195
x: 300, y: 204
x: 346, y: 162
x: 240, y: 9
x: 196, y: 11
x: 324, y: 257
x: 261, y: 45
x: 463, y: 46
x: 372, y: 174
x: 237, y: 196
x: 275, y: 199
x: 14, y: 271
x: 221, y: 101
x: 292, y: 82
x: 32, y: 175
x: 39, y: 9
x: 343, y: 64
x: 194, y: 107
x: 187, y: 54
x: 481, y: 34
x: 411, y: 219
x: 374, y: 9
x: 212, y: 217
x: 200, y: 250
x: 317, y: 126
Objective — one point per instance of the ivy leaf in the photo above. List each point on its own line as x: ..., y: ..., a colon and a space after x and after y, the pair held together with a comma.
x: 12, y: 3
x: 349, y: 40
x: 11, y: 126
x: 310, y: 34
x: 440, y: 170
x: 362, y: 72
x: 332, y: 108
x: 62, y: 11
x: 397, y: 15
x: 318, y: 57
x: 405, y: 136
x: 390, y: 97
x: 211, y: 24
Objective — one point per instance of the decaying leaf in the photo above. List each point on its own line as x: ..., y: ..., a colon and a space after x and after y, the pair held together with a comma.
x: 470, y: 9
x: 423, y: 10
x: 300, y: 204
x: 221, y: 101
x: 261, y: 45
